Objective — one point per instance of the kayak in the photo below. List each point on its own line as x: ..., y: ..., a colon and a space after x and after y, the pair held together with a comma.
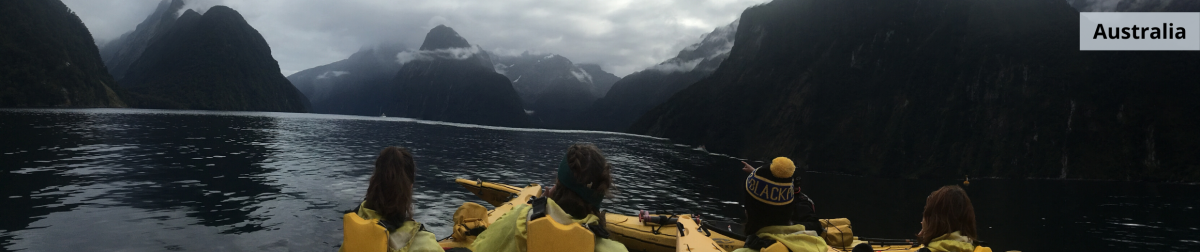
x: 660, y: 232
x: 690, y: 237
x: 657, y: 232
x: 636, y: 235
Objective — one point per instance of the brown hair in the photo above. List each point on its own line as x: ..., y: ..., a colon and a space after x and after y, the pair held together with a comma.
x: 947, y: 210
x: 591, y: 169
x: 390, y: 191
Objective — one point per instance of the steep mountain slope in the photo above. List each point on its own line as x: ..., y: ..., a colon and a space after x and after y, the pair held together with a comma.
x: 48, y: 58
x: 941, y: 88
x: 450, y: 80
x: 551, y: 87
x: 358, y: 85
x: 602, y: 80
x: 119, y: 54
x: 534, y: 76
x: 214, y: 61
x: 630, y: 97
x: 1135, y: 5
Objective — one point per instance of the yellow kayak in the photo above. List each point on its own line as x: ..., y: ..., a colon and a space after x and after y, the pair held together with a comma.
x: 690, y: 237
x: 650, y: 232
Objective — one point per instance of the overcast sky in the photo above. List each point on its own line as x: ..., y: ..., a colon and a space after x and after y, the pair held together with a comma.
x: 623, y: 36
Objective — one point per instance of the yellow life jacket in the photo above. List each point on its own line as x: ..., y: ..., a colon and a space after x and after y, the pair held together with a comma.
x: 362, y: 235
x: 551, y: 229
x: 469, y: 220
x: 785, y: 238
x: 777, y: 247
x: 838, y: 233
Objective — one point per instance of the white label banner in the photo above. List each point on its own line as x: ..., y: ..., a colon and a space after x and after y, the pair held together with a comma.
x: 1139, y: 31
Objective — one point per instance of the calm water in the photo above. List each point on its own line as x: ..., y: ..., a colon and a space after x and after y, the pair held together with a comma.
x: 147, y: 180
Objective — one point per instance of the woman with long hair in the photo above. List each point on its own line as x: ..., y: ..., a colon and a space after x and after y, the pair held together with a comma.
x: 389, y: 199
x: 584, y: 178
x: 948, y: 222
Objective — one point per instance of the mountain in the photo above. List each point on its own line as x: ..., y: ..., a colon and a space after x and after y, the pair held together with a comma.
x: 1135, y: 5
x: 602, y: 80
x: 119, y: 54
x: 450, y: 80
x: 354, y: 86
x: 214, y: 61
x: 48, y: 58
x: 535, y: 75
x: 630, y: 97
x: 553, y: 88
x: 940, y: 88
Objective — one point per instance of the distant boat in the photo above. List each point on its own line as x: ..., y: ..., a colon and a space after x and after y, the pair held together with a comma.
x: 382, y: 114
x: 701, y: 148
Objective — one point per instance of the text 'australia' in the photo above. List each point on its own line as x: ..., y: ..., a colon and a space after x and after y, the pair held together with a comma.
x: 1168, y: 31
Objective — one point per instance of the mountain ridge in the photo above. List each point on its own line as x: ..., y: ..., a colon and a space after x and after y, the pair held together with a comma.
x: 214, y: 61
x: 48, y: 58
x: 942, y: 89
x: 453, y: 81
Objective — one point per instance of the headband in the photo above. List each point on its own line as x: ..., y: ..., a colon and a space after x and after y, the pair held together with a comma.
x: 567, y: 178
x: 768, y: 191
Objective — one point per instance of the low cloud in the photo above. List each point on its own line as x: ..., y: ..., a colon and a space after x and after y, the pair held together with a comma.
x: 622, y: 36
x: 332, y: 74
x: 200, y: 6
x: 449, y: 53
x: 677, y: 66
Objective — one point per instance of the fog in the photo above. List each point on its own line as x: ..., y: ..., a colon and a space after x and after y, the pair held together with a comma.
x: 622, y: 36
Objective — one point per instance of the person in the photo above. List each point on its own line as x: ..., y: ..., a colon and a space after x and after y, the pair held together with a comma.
x: 389, y: 200
x: 805, y: 210
x: 767, y: 199
x: 948, y: 222
x: 572, y: 208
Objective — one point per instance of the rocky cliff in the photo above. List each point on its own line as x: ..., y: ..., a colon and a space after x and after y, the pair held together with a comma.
x: 214, y: 61
x: 941, y: 88
x: 49, y: 59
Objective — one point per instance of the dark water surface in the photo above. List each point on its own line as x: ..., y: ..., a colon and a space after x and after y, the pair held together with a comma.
x: 148, y: 180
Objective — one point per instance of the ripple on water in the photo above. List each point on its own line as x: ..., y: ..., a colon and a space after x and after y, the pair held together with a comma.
x: 148, y: 180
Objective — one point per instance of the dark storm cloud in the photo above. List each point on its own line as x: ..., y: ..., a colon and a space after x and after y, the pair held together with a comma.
x: 622, y: 36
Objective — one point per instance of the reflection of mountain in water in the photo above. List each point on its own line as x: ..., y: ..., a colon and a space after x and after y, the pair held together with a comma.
x: 216, y: 168
x: 212, y: 167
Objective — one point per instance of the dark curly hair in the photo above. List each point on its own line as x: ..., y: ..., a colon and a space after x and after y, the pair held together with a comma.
x: 592, y: 170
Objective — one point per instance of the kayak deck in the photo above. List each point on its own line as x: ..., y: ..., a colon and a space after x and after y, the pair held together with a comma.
x: 635, y: 234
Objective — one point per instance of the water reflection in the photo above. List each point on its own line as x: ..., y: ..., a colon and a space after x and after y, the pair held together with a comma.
x: 146, y: 180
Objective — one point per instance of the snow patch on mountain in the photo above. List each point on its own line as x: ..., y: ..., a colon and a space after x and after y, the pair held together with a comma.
x: 581, y: 75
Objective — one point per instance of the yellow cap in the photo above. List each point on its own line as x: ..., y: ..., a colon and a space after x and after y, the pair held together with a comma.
x: 782, y: 167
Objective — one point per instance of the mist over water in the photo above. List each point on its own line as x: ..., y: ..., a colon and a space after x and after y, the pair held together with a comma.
x: 148, y: 180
